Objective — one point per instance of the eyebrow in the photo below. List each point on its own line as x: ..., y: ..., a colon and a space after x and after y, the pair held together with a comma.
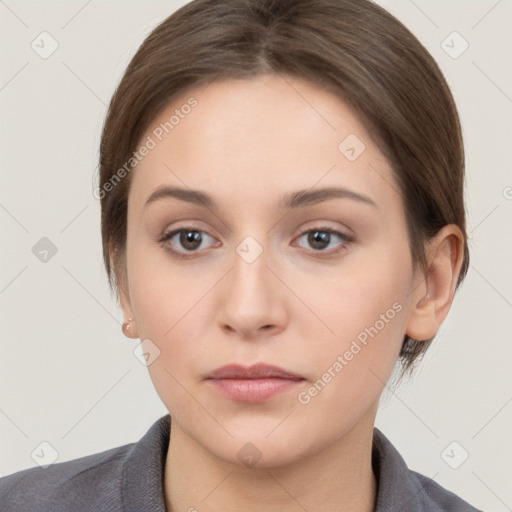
x: 297, y: 199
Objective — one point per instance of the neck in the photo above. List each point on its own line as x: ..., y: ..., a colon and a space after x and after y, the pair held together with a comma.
x: 338, y: 478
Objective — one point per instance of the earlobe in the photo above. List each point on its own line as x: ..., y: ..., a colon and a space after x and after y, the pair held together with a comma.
x: 423, y: 323
x: 432, y: 299
x: 129, y: 327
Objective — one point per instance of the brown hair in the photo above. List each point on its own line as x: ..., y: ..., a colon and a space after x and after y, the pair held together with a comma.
x: 353, y: 48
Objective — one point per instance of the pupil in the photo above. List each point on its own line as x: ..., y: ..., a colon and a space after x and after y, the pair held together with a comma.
x: 318, y: 238
x: 190, y: 237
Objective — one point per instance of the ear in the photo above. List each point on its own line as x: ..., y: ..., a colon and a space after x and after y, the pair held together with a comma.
x: 433, y: 296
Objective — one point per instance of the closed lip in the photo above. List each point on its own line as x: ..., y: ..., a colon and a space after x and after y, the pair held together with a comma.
x: 256, y: 371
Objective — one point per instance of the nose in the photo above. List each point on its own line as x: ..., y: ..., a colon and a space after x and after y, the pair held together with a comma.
x: 251, y: 302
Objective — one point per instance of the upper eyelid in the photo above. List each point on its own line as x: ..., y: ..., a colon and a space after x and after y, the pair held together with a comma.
x: 329, y: 229
x: 319, y: 227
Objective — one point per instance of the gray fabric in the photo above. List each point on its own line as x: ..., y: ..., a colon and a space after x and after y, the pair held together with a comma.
x: 129, y: 478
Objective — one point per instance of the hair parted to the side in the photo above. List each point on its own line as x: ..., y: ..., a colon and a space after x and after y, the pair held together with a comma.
x: 353, y: 48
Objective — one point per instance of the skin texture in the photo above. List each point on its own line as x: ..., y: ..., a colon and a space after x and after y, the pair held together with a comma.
x: 247, y: 143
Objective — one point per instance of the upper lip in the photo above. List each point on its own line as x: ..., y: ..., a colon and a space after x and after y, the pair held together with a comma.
x: 256, y: 371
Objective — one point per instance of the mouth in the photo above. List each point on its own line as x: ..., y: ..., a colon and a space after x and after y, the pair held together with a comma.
x: 257, y: 383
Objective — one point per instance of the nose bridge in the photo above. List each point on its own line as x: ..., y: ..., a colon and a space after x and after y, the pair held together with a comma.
x: 250, y: 297
x: 249, y: 278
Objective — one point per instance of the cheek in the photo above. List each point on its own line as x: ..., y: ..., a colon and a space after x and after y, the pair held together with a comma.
x: 366, y: 312
x: 170, y: 305
x: 353, y: 366
x: 367, y: 338
x: 167, y: 307
x: 161, y: 293
x: 355, y: 296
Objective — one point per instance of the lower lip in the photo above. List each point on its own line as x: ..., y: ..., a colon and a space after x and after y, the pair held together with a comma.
x: 253, y: 390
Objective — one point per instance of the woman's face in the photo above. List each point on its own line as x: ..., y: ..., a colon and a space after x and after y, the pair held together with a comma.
x: 256, y: 277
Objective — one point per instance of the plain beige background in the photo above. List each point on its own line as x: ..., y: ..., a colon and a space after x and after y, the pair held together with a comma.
x: 69, y: 377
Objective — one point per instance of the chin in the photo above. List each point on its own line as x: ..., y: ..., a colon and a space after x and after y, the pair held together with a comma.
x: 254, y: 448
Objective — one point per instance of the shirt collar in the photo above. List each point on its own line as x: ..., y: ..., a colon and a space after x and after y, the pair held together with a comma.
x: 143, y: 473
x: 142, y: 486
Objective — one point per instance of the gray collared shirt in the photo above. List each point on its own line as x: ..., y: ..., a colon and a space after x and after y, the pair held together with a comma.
x: 129, y: 478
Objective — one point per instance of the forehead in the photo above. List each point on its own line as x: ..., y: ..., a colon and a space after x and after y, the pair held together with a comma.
x: 261, y: 134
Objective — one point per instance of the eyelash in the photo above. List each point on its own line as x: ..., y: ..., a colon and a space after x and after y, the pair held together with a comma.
x: 321, y: 253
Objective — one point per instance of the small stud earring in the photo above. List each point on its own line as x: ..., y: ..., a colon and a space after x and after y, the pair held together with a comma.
x: 126, y: 325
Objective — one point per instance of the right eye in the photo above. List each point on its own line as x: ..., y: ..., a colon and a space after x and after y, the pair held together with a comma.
x: 190, y: 239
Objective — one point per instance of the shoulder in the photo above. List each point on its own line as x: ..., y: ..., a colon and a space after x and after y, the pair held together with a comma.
x: 86, y: 484
x: 127, y: 477
x: 435, y: 497
x: 400, y: 488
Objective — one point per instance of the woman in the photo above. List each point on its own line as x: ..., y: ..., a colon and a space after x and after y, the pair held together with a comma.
x: 281, y: 186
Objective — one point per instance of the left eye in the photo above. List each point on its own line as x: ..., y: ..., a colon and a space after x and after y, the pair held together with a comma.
x: 320, y: 239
